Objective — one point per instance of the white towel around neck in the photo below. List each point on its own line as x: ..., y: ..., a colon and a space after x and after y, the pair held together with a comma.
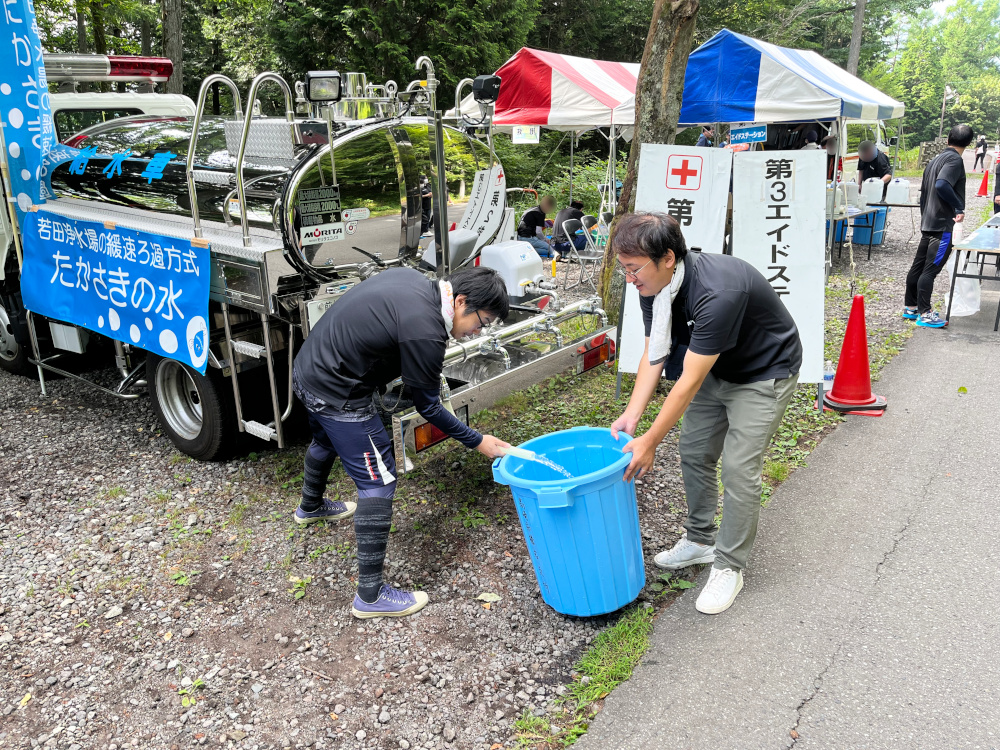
x: 447, y: 305
x: 659, y: 334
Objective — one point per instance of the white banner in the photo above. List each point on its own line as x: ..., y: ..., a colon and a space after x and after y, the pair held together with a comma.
x: 692, y: 185
x: 484, y: 212
x: 778, y: 227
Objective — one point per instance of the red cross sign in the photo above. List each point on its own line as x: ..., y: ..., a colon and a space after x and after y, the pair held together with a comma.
x: 684, y: 172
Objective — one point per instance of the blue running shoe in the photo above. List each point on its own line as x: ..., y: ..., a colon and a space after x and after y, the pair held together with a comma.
x: 931, y: 320
x: 331, y: 511
x: 390, y: 603
x: 910, y: 313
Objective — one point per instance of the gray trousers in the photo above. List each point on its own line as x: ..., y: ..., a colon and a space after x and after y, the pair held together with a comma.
x: 737, y: 423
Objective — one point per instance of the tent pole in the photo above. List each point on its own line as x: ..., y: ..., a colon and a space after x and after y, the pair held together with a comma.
x: 572, y: 141
x: 612, y: 193
x: 831, y: 230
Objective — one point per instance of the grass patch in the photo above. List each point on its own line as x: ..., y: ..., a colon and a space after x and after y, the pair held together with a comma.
x: 608, y: 663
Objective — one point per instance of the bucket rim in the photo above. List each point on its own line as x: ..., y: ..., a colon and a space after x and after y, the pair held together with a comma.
x: 618, y: 465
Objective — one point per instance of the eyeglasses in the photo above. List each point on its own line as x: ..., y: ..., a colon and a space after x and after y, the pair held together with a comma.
x: 482, y: 323
x: 634, y: 275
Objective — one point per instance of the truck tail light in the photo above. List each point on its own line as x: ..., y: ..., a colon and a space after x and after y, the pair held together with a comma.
x: 597, y: 351
x: 427, y: 435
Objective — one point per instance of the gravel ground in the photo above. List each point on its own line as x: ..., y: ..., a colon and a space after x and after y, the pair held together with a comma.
x: 132, y: 579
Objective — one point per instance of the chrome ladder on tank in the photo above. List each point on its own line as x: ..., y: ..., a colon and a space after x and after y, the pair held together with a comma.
x: 272, y: 430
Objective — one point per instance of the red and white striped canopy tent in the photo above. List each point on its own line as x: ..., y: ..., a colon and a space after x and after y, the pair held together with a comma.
x: 562, y: 92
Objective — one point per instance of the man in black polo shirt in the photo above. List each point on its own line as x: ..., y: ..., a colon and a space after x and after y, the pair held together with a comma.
x: 719, y: 328
x: 531, y: 228
x: 873, y: 163
x: 396, y: 324
x: 942, y: 204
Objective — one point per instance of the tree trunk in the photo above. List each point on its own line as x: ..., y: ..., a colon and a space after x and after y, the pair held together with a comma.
x: 100, y: 41
x: 658, y: 94
x: 173, y: 43
x: 81, y: 27
x: 146, y: 50
x: 854, y: 53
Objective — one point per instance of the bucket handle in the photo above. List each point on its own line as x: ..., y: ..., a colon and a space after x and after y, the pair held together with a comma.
x: 554, y: 497
x: 496, y: 471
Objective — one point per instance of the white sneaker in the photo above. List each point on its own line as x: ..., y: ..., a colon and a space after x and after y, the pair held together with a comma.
x: 685, y: 553
x: 720, y: 591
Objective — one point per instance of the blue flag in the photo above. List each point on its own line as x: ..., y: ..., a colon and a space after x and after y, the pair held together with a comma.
x: 24, y: 102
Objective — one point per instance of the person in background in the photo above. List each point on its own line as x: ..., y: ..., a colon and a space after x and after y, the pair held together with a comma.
x: 873, y: 163
x: 707, y: 134
x: 714, y: 324
x: 811, y: 144
x: 559, y: 239
x: 942, y: 204
x: 396, y: 324
x: 830, y: 143
x: 531, y: 228
x: 426, y: 204
x: 981, y: 148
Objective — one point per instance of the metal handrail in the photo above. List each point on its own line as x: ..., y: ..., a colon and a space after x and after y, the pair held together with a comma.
x: 432, y: 82
x: 458, y: 96
x: 193, y: 143
x: 289, y: 115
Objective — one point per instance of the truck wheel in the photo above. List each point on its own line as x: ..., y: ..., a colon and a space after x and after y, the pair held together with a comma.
x: 196, y: 411
x: 13, y: 355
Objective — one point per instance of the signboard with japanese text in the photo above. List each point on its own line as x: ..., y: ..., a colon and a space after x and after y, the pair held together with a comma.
x: 24, y: 102
x: 692, y: 185
x: 526, y: 133
x: 778, y: 227
x: 484, y: 212
x: 748, y: 134
x: 143, y: 289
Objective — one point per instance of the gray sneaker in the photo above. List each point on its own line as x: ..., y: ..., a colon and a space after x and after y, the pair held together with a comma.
x: 685, y: 553
x: 390, y: 603
x: 330, y: 511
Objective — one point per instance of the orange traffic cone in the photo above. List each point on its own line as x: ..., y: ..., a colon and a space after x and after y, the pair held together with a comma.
x: 852, y: 385
x: 984, y: 186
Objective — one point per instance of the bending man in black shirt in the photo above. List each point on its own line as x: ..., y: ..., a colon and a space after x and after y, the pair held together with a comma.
x: 942, y: 204
x: 396, y: 324
x: 873, y: 163
x: 720, y: 330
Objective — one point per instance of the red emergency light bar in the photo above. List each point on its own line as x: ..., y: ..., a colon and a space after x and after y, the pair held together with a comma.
x: 80, y: 68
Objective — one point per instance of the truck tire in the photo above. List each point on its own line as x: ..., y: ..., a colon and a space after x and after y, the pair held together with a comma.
x: 196, y: 411
x: 13, y: 352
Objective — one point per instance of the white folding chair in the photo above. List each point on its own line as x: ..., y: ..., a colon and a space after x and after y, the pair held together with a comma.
x: 590, y: 255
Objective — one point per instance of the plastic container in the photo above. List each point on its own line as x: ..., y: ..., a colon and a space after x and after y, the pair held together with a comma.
x: 865, y: 225
x: 582, y: 533
x: 871, y: 190
x: 898, y: 191
x: 838, y: 232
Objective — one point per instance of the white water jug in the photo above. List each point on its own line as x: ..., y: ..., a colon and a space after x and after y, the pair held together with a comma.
x: 898, y: 191
x: 850, y: 190
x: 871, y: 190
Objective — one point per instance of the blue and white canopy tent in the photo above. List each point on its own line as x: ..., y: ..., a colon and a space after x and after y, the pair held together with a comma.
x: 734, y: 78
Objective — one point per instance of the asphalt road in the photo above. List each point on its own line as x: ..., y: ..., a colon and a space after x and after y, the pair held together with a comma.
x: 869, y: 615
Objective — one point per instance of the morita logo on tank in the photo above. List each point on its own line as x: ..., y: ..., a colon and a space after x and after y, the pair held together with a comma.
x: 322, y: 233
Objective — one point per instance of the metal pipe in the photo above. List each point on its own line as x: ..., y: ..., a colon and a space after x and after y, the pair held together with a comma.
x: 440, y: 189
x: 35, y: 349
x: 291, y: 365
x: 458, y: 97
x: 193, y: 142
x: 232, y: 366
x: 271, y: 380
x: 432, y: 83
x: 460, y: 350
x: 251, y: 101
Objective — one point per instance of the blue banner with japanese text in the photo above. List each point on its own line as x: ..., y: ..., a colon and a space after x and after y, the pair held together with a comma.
x: 24, y: 102
x: 143, y: 289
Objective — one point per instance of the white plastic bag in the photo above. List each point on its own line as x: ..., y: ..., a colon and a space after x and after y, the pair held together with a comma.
x: 966, y: 300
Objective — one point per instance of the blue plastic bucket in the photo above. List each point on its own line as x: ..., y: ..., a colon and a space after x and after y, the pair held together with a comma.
x: 582, y: 533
